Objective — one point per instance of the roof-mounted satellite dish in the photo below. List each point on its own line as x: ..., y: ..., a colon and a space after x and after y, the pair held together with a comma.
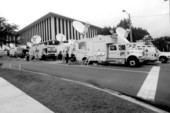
x: 61, y: 37
x: 79, y: 26
x: 23, y: 46
x: 111, y: 31
x: 122, y: 34
x: 36, y: 39
x: 71, y: 42
x: 11, y: 45
x: 29, y: 44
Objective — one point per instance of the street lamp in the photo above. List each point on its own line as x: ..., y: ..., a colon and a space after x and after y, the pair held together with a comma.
x: 130, y: 25
x: 169, y: 9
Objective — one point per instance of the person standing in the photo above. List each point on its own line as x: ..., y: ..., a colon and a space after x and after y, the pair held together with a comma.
x: 27, y: 56
x: 67, y: 57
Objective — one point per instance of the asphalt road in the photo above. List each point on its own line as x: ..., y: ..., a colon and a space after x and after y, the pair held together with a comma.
x: 123, y: 79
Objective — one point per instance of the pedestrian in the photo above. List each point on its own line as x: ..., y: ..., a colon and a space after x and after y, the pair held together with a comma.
x: 67, y: 57
x: 60, y: 55
x: 27, y: 56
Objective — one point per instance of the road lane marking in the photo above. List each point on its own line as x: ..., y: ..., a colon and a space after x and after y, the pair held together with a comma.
x: 148, y: 89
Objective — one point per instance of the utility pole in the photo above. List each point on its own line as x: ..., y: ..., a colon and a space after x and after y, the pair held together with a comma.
x: 130, y: 25
x: 169, y: 9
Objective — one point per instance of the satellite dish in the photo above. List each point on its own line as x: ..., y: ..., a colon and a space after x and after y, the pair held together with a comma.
x: 121, y: 32
x: 71, y: 42
x: 61, y: 37
x: 111, y: 31
x: 36, y: 39
x: 122, y: 40
x: 79, y: 26
x: 11, y: 45
x: 29, y: 44
x: 23, y: 46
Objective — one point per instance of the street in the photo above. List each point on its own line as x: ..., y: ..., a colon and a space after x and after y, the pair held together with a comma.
x: 126, y: 80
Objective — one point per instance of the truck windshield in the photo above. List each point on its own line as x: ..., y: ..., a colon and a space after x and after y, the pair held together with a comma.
x: 51, y: 50
x: 82, y: 45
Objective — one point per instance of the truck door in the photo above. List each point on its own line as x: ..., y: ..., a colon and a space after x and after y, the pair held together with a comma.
x: 113, y: 52
x: 122, y: 51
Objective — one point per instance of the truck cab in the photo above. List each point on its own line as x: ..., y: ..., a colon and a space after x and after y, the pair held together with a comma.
x: 49, y: 52
x: 121, y: 54
x: 150, y: 52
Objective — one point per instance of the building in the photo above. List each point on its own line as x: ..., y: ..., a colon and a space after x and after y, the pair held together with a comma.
x: 52, y: 24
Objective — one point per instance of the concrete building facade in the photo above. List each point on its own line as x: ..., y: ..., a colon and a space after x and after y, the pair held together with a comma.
x: 52, y: 24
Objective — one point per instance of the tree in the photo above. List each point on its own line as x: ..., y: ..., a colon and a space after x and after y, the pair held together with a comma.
x: 137, y: 32
x: 124, y: 23
x: 162, y: 43
x: 6, y: 30
x: 105, y: 31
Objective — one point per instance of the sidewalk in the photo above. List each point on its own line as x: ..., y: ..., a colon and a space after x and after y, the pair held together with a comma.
x: 13, y: 100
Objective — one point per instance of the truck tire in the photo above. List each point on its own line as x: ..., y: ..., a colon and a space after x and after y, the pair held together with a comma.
x: 54, y: 58
x: 84, y: 60
x: 133, y: 61
x: 163, y: 59
x: 43, y: 57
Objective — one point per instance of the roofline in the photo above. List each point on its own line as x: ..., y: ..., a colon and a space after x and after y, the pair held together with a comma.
x: 50, y: 14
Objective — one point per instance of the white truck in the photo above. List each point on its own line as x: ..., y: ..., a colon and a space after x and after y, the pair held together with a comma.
x: 151, y: 52
x: 164, y: 57
x: 105, y: 49
x: 42, y: 51
x: 45, y: 52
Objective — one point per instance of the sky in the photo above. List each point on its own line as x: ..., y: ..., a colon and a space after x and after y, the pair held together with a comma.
x: 152, y: 15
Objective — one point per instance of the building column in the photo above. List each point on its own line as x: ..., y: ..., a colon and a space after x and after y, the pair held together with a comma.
x: 61, y: 26
x: 57, y: 26
x: 65, y: 31
x: 71, y: 26
x: 52, y: 28
x: 49, y: 29
x: 36, y: 33
x: 44, y: 30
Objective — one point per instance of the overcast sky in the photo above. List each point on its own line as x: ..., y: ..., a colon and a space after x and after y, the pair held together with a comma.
x: 152, y: 15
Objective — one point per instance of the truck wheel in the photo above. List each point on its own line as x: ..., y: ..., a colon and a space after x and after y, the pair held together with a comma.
x: 43, y: 57
x: 163, y: 59
x: 133, y: 62
x: 54, y: 58
x: 84, y: 60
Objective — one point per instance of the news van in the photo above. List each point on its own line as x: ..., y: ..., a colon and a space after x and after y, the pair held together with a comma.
x: 106, y: 49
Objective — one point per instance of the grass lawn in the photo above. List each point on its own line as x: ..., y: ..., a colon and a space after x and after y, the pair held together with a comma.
x: 66, y: 97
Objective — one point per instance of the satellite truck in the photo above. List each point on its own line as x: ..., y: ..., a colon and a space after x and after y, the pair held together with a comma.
x: 45, y: 51
x: 39, y: 50
x: 106, y: 49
